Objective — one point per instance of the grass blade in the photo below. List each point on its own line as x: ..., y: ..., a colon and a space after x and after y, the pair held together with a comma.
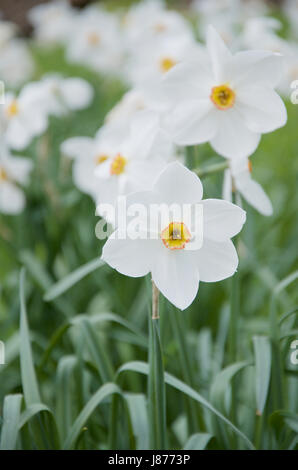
x: 143, y: 368
x: 29, y: 382
x: 10, y: 426
x: 198, y: 441
x: 262, y: 351
x: 73, y: 278
x: 104, y: 392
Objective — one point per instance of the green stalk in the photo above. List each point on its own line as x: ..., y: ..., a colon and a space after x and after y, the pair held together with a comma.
x: 194, y: 418
x: 211, y: 169
x: 156, y: 384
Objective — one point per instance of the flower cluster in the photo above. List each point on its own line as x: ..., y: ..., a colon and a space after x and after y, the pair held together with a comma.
x: 181, y: 92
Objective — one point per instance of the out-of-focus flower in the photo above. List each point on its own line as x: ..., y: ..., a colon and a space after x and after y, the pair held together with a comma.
x: 150, y: 21
x: 227, y: 16
x: 88, y: 153
x: 238, y: 177
x: 14, y: 172
x: 228, y: 100
x: 150, y: 63
x: 96, y: 41
x: 290, y: 8
x: 263, y: 32
x: 139, y: 158
x: 16, y: 64
x: 175, y: 270
x: 53, y: 21
x: 23, y: 117
x: 61, y: 95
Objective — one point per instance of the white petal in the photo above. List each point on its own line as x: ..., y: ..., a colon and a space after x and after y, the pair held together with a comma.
x: 176, y: 276
x: 192, y: 122
x: 257, y: 67
x: 76, y: 92
x: 177, y: 184
x: 233, y: 138
x: 130, y: 257
x: 220, y: 54
x: 78, y: 147
x: 216, y: 260
x: 84, y: 178
x: 17, y: 136
x: 254, y: 194
x: 19, y: 168
x: 12, y: 199
x: 222, y: 219
x: 188, y: 80
x: 262, y: 109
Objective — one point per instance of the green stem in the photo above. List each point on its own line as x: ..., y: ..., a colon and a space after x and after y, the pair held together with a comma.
x: 156, y: 384
x: 194, y: 418
x: 211, y: 169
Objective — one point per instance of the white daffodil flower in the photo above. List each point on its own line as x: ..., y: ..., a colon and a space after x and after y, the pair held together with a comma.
x: 149, y: 21
x: 238, y: 177
x: 16, y: 64
x: 23, y: 117
x: 61, y: 95
x: 96, y: 41
x: 228, y: 100
x: 88, y: 153
x: 53, y: 22
x: 14, y: 172
x: 176, y: 270
x: 150, y: 63
x: 139, y: 158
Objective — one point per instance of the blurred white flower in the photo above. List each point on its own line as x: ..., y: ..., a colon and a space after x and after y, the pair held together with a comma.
x: 175, y: 270
x: 238, y: 177
x: 16, y: 63
x: 138, y: 159
x: 61, y: 95
x: 23, y: 117
x: 150, y: 21
x: 96, y: 41
x: 228, y: 100
x: 53, y: 21
x: 14, y: 171
x: 150, y: 63
x: 88, y: 153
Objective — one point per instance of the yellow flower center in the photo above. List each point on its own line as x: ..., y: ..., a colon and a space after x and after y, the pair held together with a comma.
x: 12, y: 109
x: 3, y: 174
x: 166, y: 64
x: 223, y: 97
x: 160, y: 28
x: 118, y: 165
x: 175, y: 236
x: 99, y: 159
x: 249, y: 166
x: 93, y: 38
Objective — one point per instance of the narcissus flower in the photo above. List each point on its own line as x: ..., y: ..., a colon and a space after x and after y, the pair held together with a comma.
x: 88, y: 153
x: 228, y: 100
x: 177, y: 270
x: 238, y: 177
x: 137, y: 158
x: 14, y: 172
x: 23, y: 117
x: 60, y: 95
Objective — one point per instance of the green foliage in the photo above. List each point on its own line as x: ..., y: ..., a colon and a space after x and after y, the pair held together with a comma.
x: 77, y: 322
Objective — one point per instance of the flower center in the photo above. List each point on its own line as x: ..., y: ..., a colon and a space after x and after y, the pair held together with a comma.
x: 93, y: 38
x: 118, y: 165
x: 160, y: 28
x: 3, y: 174
x: 12, y: 109
x: 100, y: 159
x: 175, y: 236
x: 223, y: 97
x: 166, y: 64
x: 249, y: 164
